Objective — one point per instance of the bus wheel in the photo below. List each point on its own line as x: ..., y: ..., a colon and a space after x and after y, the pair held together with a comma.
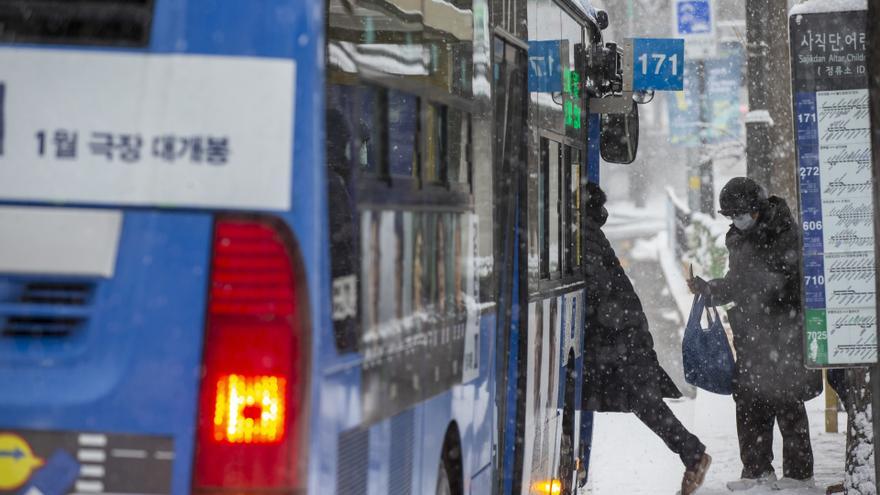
x: 443, y: 486
x: 567, y: 457
x: 449, y: 474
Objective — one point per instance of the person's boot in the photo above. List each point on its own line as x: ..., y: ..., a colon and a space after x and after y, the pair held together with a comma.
x: 694, y: 477
x: 835, y: 488
x: 785, y: 483
x: 744, y: 484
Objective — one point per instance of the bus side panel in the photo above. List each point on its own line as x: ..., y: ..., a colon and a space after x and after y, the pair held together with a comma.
x: 292, y: 29
x: 555, y: 331
x: 470, y: 406
x: 133, y: 368
x: 481, y: 446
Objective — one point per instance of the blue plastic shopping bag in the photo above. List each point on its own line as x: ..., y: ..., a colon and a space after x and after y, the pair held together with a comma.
x: 705, y: 353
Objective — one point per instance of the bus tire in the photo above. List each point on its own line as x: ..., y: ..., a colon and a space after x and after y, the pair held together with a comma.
x: 567, y: 455
x: 450, y: 473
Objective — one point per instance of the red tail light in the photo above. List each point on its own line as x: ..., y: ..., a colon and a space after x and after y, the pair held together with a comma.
x: 250, y: 402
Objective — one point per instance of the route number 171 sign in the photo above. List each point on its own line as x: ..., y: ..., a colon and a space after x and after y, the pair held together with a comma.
x: 658, y: 64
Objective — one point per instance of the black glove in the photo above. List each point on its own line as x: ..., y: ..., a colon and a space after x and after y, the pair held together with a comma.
x: 699, y: 286
x: 702, y: 287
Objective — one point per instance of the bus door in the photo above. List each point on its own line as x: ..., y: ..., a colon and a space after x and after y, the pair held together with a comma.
x: 510, y: 100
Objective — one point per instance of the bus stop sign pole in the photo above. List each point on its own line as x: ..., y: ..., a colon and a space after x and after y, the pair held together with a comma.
x: 873, y: 61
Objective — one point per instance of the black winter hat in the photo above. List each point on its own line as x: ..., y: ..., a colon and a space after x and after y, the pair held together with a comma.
x: 742, y: 195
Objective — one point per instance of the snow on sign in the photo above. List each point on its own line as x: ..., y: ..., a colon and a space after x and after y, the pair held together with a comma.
x: 145, y: 129
x: 834, y: 163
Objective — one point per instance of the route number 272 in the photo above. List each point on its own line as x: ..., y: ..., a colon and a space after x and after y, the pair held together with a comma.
x: 658, y: 59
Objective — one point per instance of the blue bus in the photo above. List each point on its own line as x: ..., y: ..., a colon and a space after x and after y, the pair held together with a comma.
x: 297, y: 246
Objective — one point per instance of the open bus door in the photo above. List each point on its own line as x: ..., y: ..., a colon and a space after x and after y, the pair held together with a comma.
x: 511, y: 111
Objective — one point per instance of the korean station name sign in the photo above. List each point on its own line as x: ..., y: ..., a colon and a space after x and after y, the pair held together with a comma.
x: 835, y: 188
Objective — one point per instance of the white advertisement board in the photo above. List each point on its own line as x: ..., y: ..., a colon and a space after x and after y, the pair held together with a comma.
x: 168, y: 130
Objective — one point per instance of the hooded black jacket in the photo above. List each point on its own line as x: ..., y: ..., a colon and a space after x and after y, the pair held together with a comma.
x: 767, y: 321
x: 621, y: 365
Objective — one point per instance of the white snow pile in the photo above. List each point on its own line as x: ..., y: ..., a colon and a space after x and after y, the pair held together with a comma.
x: 759, y: 117
x: 821, y: 6
x: 646, y: 249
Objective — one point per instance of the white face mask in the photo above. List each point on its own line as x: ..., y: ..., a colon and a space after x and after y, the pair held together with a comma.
x: 744, y: 221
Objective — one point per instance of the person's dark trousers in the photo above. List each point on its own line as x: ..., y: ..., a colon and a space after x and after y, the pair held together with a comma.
x: 754, y: 427
x: 659, y: 418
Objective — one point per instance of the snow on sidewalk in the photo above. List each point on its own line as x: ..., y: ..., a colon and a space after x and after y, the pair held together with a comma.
x: 627, y: 458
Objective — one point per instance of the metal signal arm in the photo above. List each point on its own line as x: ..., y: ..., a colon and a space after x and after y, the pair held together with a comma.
x: 609, y: 77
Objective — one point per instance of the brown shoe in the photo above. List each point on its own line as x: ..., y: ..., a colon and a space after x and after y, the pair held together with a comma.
x: 693, y: 479
x: 836, y: 488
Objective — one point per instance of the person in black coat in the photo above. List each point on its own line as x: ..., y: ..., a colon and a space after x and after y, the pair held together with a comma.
x: 770, y: 381
x: 622, y: 371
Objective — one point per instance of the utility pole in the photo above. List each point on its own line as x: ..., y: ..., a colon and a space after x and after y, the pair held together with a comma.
x: 873, y: 60
x: 704, y: 166
x: 637, y: 179
x: 770, y: 154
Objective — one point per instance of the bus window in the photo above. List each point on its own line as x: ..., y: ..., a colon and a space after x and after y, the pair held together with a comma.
x: 554, y: 217
x: 342, y: 216
x: 542, y: 207
x: 573, y: 104
x: 450, y: 45
x: 550, y: 105
x: 435, y: 144
x: 458, y: 125
x: 573, y: 206
x: 388, y: 262
x: 461, y: 262
x: 431, y: 254
x: 549, y: 214
x: 450, y: 271
x: 405, y: 274
x: 419, y: 299
x: 577, y: 181
x: 403, y: 111
x: 441, y: 243
x: 369, y: 145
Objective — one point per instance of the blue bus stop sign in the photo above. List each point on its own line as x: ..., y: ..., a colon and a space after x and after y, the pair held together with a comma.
x: 658, y: 64
x: 693, y: 17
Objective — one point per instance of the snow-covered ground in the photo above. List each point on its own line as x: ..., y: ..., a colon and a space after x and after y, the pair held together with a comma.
x: 625, y: 220
x: 627, y: 458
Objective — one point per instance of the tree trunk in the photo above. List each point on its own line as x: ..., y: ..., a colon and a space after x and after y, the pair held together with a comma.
x: 859, y: 477
x: 770, y: 148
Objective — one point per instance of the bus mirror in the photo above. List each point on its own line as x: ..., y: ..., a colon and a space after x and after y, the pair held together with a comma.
x: 619, y: 136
